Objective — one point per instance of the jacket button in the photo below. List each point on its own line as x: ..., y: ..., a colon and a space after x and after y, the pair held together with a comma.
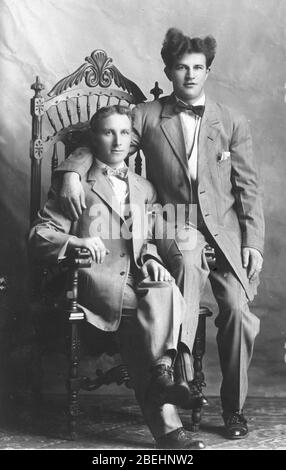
x: 202, y: 191
x: 122, y: 254
x: 206, y: 215
x: 122, y: 273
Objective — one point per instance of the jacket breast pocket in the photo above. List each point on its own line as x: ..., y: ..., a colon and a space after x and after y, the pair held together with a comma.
x: 224, y: 170
x: 225, y: 187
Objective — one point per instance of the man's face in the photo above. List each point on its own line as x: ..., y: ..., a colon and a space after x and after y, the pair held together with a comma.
x: 188, y: 76
x: 112, y: 139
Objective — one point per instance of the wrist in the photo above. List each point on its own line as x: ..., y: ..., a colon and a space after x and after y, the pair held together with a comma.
x: 73, y: 242
x: 71, y: 176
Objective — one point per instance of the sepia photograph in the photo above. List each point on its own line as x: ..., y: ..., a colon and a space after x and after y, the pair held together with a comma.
x: 143, y: 222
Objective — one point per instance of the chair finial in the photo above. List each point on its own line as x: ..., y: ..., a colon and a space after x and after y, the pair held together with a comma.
x: 37, y: 86
x: 156, y: 91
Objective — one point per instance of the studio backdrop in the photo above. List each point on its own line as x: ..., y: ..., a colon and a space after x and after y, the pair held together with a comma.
x: 51, y: 38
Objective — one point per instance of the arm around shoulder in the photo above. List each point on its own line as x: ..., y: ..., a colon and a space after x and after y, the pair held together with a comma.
x: 78, y: 161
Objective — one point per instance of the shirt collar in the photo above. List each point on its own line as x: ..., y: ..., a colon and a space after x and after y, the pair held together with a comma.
x: 199, y: 102
x: 102, y: 165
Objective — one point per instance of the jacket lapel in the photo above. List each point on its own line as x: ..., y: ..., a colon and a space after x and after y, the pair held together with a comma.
x: 136, y: 198
x: 103, y: 188
x: 208, y: 133
x: 138, y: 211
x: 172, y: 129
x: 135, y: 191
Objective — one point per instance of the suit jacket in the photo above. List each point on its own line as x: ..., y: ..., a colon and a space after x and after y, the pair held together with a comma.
x: 101, y: 286
x: 228, y: 189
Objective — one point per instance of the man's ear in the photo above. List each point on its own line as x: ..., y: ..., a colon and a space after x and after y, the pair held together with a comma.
x: 208, y: 71
x: 168, y: 73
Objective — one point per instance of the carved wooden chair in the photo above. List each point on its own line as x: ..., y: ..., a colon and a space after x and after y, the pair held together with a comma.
x: 59, y: 124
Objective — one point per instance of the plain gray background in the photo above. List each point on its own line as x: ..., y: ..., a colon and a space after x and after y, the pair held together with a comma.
x: 51, y: 38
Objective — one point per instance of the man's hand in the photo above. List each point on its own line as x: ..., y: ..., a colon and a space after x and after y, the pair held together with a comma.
x: 94, y: 244
x: 72, y: 198
x: 155, y: 270
x: 252, y: 261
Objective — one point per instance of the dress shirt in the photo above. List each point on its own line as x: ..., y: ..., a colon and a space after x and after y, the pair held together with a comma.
x: 120, y: 190
x: 119, y: 186
x: 191, y: 127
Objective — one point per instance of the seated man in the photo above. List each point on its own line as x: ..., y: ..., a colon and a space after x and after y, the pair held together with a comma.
x: 127, y: 289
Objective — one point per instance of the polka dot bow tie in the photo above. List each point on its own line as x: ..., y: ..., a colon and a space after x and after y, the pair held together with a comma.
x: 120, y: 173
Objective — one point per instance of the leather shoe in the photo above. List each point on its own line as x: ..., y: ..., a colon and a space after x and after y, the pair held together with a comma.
x: 235, y: 425
x: 196, y: 398
x: 178, y: 439
x: 162, y: 388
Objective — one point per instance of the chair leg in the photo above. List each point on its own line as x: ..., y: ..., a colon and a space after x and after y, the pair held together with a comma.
x: 74, y: 381
x: 198, y: 353
x: 75, y: 317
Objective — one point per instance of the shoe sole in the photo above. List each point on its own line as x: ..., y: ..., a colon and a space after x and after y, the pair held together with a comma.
x: 233, y: 438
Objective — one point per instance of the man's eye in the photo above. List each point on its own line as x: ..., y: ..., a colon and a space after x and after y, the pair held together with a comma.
x: 126, y: 132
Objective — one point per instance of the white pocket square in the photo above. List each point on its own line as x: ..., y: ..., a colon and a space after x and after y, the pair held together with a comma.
x: 223, y: 156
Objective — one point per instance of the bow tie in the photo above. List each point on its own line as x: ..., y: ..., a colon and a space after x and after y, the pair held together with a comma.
x: 120, y: 173
x: 188, y: 108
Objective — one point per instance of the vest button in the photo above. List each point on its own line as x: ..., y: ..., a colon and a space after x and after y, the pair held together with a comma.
x: 122, y: 273
x: 122, y: 254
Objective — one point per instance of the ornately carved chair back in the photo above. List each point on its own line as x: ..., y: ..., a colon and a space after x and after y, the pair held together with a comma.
x: 60, y: 120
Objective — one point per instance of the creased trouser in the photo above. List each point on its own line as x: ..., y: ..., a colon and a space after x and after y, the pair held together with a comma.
x: 237, y: 329
x: 188, y: 266
x: 144, y: 335
x: 237, y: 326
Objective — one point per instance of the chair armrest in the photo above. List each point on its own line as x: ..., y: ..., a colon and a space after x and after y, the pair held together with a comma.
x: 79, y: 258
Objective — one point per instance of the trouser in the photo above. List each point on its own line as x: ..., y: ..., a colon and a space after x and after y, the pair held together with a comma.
x: 237, y: 326
x: 149, y: 327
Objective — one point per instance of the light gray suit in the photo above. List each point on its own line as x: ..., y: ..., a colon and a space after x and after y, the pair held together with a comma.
x: 152, y: 326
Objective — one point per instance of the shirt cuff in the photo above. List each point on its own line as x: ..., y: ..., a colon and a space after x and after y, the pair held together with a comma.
x: 62, y: 253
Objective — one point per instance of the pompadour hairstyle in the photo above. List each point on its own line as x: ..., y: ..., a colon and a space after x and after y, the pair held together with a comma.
x: 176, y: 44
x: 107, y: 111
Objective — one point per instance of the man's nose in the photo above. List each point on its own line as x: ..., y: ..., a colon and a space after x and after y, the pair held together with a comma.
x: 189, y: 73
x: 117, y: 140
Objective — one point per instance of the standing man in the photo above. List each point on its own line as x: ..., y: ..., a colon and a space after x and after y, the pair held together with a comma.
x: 200, y: 152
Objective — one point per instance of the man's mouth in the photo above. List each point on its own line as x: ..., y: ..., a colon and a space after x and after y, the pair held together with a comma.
x: 189, y: 84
